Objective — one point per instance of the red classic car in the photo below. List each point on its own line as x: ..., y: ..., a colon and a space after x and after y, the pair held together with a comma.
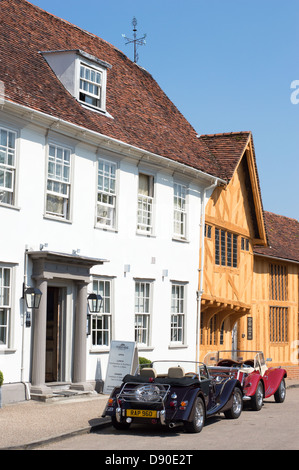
x: 249, y: 367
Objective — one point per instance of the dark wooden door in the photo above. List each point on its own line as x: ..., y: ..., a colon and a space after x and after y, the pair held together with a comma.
x: 53, y: 340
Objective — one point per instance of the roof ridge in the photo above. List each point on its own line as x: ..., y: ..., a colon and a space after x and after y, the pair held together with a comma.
x: 220, y: 134
x: 282, y: 216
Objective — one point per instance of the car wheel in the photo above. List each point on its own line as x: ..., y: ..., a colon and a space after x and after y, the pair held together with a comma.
x: 237, y: 405
x: 120, y: 426
x: 280, y: 393
x: 258, y: 397
x: 198, y: 420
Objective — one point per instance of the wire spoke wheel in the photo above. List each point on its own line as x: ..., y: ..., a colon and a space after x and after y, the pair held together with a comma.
x: 198, y: 420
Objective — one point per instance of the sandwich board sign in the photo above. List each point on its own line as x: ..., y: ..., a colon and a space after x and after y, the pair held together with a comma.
x: 123, y: 359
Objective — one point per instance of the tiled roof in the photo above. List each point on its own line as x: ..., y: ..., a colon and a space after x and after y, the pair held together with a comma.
x: 283, y: 235
x: 227, y: 148
x: 142, y: 115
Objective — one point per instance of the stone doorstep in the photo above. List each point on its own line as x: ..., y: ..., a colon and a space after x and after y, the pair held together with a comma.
x: 61, y: 391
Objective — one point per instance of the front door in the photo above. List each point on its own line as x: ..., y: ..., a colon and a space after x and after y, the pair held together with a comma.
x: 53, y: 339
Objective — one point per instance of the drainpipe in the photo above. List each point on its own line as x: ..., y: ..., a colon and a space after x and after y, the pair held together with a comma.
x: 202, y: 244
x: 27, y: 392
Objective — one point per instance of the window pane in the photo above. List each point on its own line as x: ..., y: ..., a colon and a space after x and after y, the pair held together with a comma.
x: 3, y: 327
x: 229, y: 249
x: 217, y: 245
x: 223, y: 247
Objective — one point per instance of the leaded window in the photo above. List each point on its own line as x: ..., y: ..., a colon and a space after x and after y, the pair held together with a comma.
x: 226, y: 248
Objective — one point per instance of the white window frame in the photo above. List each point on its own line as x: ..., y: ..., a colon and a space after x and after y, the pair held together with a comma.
x: 178, y: 317
x: 5, y: 307
x: 91, y: 92
x: 179, y: 211
x: 143, y: 315
x: 104, y: 287
x: 59, y: 180
x: 106, y: 194
x: 145, y: 206
x: 8, y: 156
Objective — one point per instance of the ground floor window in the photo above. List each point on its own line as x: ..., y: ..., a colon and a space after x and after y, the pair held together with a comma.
x: 177, y: 322
x: 278, y: 319
x: 213, y: 330
x: 101, y: 322
x: 142, y: 312
x: 5, y: 296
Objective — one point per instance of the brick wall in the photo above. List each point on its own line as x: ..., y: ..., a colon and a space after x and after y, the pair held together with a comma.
x: 292, y: 371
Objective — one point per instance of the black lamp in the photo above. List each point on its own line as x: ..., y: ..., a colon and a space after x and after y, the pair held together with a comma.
x: 32, y: 297
x: 94, y: 303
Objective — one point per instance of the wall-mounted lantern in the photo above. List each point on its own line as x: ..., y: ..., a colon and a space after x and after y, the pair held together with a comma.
x: 95, y: 302
x: 32, y: 297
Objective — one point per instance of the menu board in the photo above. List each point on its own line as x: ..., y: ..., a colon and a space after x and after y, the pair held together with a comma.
x: 123, y: 359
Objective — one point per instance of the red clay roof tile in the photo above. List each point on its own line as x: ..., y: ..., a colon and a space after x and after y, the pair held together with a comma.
x: 143, y: 116
x: 283, y: 235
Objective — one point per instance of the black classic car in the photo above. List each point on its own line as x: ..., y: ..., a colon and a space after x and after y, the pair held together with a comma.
x: 174, y: 394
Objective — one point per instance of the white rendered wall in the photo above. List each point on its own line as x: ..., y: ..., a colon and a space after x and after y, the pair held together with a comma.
x: 148, y: 256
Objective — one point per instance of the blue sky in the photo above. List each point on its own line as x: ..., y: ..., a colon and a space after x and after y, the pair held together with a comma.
x: 227, y: 65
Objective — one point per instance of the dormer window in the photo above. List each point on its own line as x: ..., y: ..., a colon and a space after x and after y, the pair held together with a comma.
x: 91, y: 84
x: 82, y: 74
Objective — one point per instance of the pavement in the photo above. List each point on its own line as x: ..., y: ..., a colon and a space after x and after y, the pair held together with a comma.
x: 30, y: 424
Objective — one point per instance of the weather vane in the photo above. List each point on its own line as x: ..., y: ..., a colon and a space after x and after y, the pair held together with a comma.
x: 135, y: 41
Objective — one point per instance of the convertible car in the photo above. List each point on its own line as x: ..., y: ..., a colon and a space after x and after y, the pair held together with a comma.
x: 250, y: 368
x: 174, y: 394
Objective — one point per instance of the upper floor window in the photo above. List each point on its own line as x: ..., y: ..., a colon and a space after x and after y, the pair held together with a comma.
x: 7, y: 166
x: 91, y: 86
x: 5, y: 299
x: 208, y: 231
x: 278, y: 282
x: 145, y: 203
x: 226, y: 248
x: 58, y: 182
x: 106, y: 199
x: 179, y: 216
x: 244, y: 244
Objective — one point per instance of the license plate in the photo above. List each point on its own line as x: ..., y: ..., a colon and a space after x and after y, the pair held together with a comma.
x: 142, y: 413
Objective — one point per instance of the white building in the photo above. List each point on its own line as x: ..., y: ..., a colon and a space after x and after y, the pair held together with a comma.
x: 102, y: 189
